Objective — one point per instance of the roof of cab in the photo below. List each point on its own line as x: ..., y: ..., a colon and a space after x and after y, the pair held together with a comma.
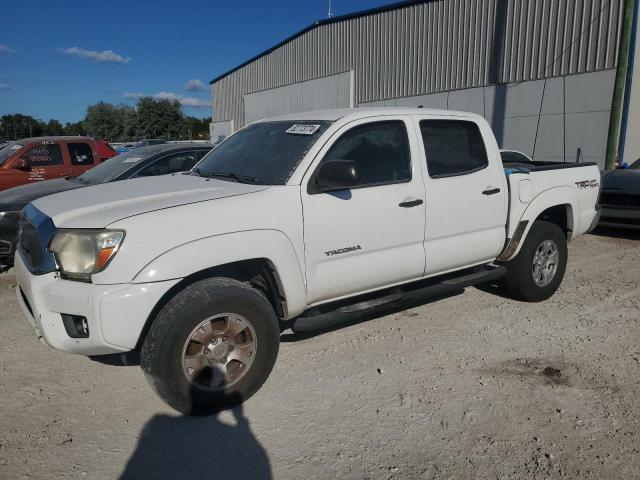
x: 57, y: 138
x: 356, y: 113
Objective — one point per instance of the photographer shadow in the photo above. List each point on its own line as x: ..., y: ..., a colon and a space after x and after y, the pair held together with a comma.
x: 190, y: 447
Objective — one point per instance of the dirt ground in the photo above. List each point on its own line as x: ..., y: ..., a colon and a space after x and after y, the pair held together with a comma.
x: 465, y: 387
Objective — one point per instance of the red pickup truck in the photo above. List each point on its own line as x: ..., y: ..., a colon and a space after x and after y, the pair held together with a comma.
x: 42, y: 158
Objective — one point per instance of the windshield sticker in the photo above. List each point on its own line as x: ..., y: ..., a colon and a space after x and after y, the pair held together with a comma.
x: 132, y: 160
x: 299, y: 129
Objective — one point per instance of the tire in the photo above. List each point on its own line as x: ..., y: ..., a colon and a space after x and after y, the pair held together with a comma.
x: 543, y: 237
x: 180, y: 338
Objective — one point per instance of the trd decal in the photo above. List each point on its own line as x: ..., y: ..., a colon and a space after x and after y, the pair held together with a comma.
x: 330, y: 253
x: 587, y: 184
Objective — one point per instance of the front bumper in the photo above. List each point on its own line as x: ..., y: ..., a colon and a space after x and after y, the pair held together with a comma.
x: 116, y: 314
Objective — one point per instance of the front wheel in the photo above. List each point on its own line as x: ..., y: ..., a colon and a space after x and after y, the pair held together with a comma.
x: 211, y: 347
x: 537, y: 271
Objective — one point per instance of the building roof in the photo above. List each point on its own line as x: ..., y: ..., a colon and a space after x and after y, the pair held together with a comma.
x: 318, y: 23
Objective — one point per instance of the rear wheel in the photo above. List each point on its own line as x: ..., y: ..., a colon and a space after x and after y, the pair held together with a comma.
x: 211, y: 347
x: 537, y: 271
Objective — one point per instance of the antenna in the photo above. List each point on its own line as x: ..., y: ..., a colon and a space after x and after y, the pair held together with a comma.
x: 330, y: 12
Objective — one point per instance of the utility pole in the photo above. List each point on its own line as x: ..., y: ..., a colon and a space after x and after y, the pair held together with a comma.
x: 617, y: 106
x: 330, y: 12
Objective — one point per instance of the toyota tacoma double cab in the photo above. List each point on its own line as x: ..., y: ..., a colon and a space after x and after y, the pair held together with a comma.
x: 292, y: 222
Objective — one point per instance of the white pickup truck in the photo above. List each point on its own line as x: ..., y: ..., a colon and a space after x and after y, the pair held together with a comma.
x: 292, y: 222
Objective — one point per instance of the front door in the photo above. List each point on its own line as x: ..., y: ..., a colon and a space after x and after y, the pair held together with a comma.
x: 45, y: 161
x: 466, y: 195
x: 371, y: 236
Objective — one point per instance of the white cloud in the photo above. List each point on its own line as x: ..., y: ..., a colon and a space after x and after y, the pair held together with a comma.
x: 5, y: 49
x: 4, y: 86
x: 189, y: 102
x: 106, y: 56
x: 193, y: 102
x: 195, y: 85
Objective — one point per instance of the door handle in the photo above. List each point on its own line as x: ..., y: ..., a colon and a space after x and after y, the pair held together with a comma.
x: 491, y: 191
x: 410, y: 203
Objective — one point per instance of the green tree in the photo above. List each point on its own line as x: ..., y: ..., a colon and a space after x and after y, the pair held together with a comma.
x: 159, y: 118
x: 76, y: 128
x: 15, y: 126
x: 195, y: 128
x: 53, y: 127
x: 101, y: 121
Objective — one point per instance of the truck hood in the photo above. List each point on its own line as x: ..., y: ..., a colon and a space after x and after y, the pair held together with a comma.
x: 100, y: 205
x: 18, y: 197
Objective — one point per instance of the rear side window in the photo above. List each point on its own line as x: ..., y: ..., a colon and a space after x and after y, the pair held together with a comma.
x: 452, y: 147
x: 80, y: 153
x: 380, y: 151
x: 44, y: 155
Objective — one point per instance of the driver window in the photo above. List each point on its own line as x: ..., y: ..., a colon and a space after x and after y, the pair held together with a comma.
x: 44, y: 155
x: 380, y: 150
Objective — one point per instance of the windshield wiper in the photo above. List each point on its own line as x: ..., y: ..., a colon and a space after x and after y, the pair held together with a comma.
x: 235, y: 176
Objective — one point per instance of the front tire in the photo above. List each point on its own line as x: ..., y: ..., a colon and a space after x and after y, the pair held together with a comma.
x: 211, y: 347
x: 536, y: 272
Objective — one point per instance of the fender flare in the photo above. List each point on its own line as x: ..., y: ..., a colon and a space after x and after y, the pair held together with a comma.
x: 546, y: 199
x: 204, y: 253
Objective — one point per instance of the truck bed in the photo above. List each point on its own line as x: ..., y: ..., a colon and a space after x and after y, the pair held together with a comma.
x: 530, y: 182
x: 534, y: 166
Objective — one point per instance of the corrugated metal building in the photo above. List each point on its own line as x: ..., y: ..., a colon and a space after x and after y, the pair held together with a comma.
x: 541, y: 71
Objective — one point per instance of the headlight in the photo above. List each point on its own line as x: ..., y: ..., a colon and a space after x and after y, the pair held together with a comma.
x: 81, y: 253
x: 10, y: 217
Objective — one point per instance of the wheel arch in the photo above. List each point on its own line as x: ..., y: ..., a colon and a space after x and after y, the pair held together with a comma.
x: 556, y: 205
x: 265, y: 259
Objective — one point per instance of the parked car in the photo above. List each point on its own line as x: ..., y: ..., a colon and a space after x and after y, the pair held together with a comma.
x: 620, y: 199
x: 36, y: 159
x: 144, y: 162
x: 105, y: 150
x: 291, y: 222
x: 145, y: 142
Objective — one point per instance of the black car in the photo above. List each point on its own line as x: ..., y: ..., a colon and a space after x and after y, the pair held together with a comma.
x: 141, y: 162
x: 620, y: 198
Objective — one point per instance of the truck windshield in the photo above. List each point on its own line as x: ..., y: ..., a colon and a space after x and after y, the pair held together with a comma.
x: 264, y: 153
x: 8, y: 150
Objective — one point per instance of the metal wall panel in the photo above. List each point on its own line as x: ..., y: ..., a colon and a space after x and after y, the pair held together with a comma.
x: 435, y: 46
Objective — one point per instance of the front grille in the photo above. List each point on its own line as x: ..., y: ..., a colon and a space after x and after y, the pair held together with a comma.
x: 620, y: 199
x: 29, y: 245
x: 5, y: 248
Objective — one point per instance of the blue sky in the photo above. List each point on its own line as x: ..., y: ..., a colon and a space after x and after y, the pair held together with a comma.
x: 58, y: 57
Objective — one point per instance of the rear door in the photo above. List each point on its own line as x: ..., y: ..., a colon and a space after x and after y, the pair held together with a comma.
x: 371, y: 236
x: 81, y: 156
x: 466, y: 194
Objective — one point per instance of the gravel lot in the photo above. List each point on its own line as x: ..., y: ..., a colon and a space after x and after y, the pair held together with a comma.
x: 461, y: 388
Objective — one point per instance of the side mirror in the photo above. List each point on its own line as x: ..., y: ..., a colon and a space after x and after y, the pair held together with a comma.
x: 336, y: 175
x: 22, y: 164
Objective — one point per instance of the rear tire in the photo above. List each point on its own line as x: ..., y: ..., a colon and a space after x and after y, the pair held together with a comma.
x: 536, y: 272
x: 211, y: 347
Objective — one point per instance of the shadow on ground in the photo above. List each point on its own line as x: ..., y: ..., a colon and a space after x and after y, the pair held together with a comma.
x: 198, y: 448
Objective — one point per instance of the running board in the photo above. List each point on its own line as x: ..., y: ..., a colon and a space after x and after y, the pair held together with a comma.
x: 314, y: 320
